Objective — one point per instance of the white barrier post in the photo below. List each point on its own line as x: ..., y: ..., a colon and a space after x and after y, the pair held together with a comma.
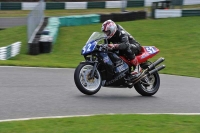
x: 10, y: 51
x: 3, y: 53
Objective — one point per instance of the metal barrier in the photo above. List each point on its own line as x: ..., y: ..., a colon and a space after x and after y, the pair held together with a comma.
x: 35, y: 20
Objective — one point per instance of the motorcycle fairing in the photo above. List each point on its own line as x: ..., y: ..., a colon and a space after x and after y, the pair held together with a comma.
x: 106, y: 65
x: 112, y: 73
x: 92, y: 42
x: 146, y: 53
x: 89, y: 47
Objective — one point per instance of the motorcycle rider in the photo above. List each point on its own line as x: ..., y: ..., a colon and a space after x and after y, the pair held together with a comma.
x: 122, y: 41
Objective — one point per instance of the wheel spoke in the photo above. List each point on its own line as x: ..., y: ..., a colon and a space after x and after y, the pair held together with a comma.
x: 89, y: 84
x: 148, y: 83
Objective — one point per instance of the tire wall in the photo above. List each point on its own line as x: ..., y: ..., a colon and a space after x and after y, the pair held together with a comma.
x: 124, y: 16
x: 83, y: 4
x: 187, y: 13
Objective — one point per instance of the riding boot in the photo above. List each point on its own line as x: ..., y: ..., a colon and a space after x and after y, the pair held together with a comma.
x: 135, y: 63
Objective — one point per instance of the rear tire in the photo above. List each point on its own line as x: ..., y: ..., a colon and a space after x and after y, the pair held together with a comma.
x: 83, y: 83
x: 149, y: 85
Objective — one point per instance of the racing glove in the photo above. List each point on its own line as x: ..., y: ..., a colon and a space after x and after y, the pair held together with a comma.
x: 113, y: 46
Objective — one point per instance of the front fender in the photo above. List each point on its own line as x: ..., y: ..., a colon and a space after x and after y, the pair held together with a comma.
x: 87, y: 62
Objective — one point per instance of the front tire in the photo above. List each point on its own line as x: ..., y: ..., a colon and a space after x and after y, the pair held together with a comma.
x: 83, y: 82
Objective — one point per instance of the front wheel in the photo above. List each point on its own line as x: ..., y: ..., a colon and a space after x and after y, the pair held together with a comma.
x: 84, y: 83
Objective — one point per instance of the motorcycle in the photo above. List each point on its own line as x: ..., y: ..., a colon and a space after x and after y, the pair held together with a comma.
x: 104, y: 67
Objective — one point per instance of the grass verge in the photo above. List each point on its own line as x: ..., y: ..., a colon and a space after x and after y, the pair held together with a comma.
x: 107, y: 124
x: 177, y: 38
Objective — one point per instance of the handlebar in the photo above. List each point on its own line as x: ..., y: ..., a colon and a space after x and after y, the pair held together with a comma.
x: 103, y: 47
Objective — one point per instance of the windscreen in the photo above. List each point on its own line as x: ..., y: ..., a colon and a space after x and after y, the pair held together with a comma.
x: 96, y: 36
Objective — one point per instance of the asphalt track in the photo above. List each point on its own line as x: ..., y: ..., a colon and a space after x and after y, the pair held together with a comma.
x: 42, y: 92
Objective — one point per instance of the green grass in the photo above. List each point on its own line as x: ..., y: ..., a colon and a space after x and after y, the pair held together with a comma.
x: 107, y: 124
x: 177, y: 38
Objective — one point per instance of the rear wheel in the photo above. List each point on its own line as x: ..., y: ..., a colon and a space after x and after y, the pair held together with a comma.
x: 149, y: 85
x: 84, y: 83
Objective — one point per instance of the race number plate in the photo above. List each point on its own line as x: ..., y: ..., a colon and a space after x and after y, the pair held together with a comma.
x: 89, y: 47
x: 151, y: 49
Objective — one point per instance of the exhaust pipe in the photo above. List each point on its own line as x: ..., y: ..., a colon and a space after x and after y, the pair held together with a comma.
x: 150, y: 70
x: 154, y: 64
x: 149, y: 73
x: 156, y: 69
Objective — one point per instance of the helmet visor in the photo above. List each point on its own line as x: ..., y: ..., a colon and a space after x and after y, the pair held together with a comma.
x: 107, y: 32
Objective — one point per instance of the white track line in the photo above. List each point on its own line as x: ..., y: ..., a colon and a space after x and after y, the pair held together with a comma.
x: 35, y: 67
x: 36, y: 118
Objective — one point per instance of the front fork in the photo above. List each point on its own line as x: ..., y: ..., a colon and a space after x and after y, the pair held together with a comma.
x: 94, y: 63
x: 92, y: 73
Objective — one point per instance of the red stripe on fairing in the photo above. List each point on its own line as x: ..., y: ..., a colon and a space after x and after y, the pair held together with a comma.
x: 142, y: 57
x: 125, y: 60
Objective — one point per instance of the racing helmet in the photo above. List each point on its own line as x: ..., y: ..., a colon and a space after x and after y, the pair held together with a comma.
x: 109, y: 28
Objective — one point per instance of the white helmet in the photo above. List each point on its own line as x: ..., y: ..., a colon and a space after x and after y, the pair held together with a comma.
x: 109, y: 28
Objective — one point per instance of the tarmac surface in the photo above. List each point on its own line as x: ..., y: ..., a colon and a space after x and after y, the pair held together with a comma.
x: 44, y: 92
